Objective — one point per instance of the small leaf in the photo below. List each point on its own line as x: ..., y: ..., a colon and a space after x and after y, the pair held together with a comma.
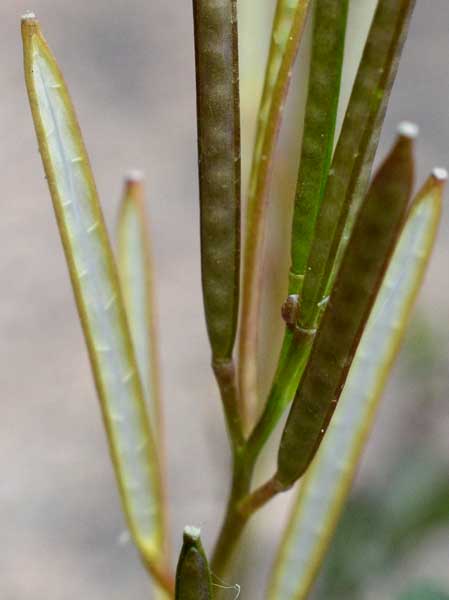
x: 358, y: 280
x: 319, y: 127
x: 95, y: 283
x: 354, y: 154
x: 193, y: 579
x: 327, y: 483
x: 217, y: 78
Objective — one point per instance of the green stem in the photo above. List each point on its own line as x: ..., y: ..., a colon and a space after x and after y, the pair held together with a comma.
x: 234, y: 521
x: 294, y: 354
x: 226, y: 379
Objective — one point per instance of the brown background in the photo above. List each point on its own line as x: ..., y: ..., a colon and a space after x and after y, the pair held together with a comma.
x: 130, y: 68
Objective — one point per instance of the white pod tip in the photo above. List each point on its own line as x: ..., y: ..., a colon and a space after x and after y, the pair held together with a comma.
x: 192, y: 533
x: 408, y: 130
x: 134, y: 176
x: 28, y: 16
x: 440, y: 173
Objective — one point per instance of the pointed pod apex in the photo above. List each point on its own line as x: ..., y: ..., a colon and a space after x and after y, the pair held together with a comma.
x: 28, y: 16
x: 191, y: 533
x: 408, y: 130
x: 134, y: 176
x: 440, y: 174
x: 193, y: 578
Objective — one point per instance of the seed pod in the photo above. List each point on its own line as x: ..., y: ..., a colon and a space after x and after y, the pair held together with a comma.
x: 193, y: 579
x: 286, y: 35
x: 319, y: 127
x: 327, y: 483
x: 354, y: 154
x: 217, y: 81
x: 98, y: 295
x: 135, y: 265
x: 344, y: 319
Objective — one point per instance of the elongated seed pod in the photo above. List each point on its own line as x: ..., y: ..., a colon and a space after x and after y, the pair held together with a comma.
x: 327, y: 483
x: 135, y: 264
x: 288, y: 26
x: 354, y: 154
x: 319, y: 128
x: 217, y: 81
x: 348, y: 309
x: 193, y: 579
x: 95, y: 283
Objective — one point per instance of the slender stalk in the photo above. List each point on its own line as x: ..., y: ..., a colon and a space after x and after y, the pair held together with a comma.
x: 292, y: 362
x: 234, y: 521
x: 287, y: 31
x: 260, y: 497
x: 226, y: 379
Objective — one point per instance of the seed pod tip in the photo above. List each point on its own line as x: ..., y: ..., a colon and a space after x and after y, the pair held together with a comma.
x: 192, y: 533
x: 440, y: 174
x: 408, y: 130
x: 134, y: 176
x: 29, y: 16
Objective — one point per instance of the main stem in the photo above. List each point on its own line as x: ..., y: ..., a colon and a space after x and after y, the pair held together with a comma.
x: 246, y: 452
x: 234, y: 521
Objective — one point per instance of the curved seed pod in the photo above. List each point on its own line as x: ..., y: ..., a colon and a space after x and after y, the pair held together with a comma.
x: 193, y: 579
x: 354, y: 154
x: 218, y: 109
x: 288, y: 26
x: 319, y: 128
x: 327, y: 483
x: 357, y: 283
x: 95, y: 283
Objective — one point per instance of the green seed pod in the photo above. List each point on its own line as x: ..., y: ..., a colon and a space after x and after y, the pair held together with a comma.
x: 319, y: 127
x: 193, y: 579
x: 362, y: 269
x: 327, y: 483
x: 218, y: 111
x: 351, y: 167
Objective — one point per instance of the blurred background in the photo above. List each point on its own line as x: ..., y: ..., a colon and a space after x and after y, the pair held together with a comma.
x: 129, y: 65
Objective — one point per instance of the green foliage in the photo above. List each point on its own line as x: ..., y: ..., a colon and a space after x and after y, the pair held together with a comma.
x: 355, y: 245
